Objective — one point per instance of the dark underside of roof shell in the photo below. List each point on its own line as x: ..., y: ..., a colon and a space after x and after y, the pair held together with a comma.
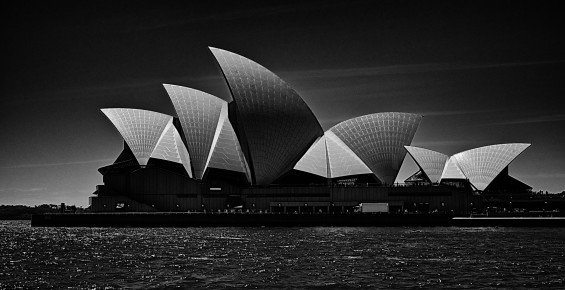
x: 504, y: 183
x: 126, y: 162
x: 357, y: 179
x: 214, y: 175
x: 418, y: 177
x: 297, y: 177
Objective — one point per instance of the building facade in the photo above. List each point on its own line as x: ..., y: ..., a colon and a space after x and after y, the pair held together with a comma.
x: 263, y: 149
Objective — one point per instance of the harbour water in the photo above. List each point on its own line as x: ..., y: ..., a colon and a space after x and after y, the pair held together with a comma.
x: 259, y: 258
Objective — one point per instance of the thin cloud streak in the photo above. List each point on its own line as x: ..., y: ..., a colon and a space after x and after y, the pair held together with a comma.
x: 23, y: 190
x: 454, y: 113
x: 244, y: 13
x: 56, y: 164
x: 553, y: 175
x: 101, y: 90
x: 405, y: 69
x: 541, y: 119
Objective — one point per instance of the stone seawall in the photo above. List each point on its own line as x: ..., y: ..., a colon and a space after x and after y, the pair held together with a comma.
x: 283, y: 220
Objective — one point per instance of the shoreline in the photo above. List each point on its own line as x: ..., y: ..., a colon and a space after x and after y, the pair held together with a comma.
x: 178, y: 219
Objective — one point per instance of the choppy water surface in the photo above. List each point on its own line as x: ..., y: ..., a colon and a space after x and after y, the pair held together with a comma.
x: 215, y: 258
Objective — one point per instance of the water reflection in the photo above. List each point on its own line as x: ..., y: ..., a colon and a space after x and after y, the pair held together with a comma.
x: 339, y: 257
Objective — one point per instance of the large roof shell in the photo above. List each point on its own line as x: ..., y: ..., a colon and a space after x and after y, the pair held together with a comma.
x: 379, y: 140
x: 227, y: 153
x: 278, y: 125
x: 429, y: 161
x: 171, y: 148
x: 199, y: 114
x: 343, y: 161
x: 141, y: 129
x: 481, y: 165
x: 315, y: 160
x: 451, y: 170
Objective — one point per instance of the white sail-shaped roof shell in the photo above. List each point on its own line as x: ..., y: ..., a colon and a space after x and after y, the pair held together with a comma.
x: 379, y: 140
x: 342, y: 160
x: 315, y: 160
x: 277, y: 124
x: 451, y: 170
x: 429, y: 161
x: 482, y: 165
x: 171, y: 148
x: 227, y: 153
x: 141, y: 129
x: 199, y: 114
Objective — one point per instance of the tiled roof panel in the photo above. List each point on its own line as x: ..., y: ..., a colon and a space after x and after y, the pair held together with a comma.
x: 482, y: 165
x: 343, y: 161
x: 431, y: 162
x: 379, y: 140
x: 315, y: 159
x: 278, y: 124
x: 141, y: 129
x: 171, y: 148
x: 198, y: 113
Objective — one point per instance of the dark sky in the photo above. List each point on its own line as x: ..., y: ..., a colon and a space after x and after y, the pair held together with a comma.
x: 481, y: 73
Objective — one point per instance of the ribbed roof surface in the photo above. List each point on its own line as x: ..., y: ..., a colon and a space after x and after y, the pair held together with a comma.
x: 171, y: 148
x: 343, y: 161
x: 481, y: 165
x: 198, y: 113
x: 379, y: 140
x: 278, y: 125
x: 141, y: 129
x: 451, y: 170
x: 227, y: 152
x: 315, y: 160
x: 429, y: 161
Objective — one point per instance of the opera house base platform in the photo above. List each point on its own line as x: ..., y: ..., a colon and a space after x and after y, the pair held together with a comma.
x: 260, y: 157
x: 159, y: 219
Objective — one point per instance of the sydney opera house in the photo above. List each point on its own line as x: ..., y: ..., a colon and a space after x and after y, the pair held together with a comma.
x: 264, y: 150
